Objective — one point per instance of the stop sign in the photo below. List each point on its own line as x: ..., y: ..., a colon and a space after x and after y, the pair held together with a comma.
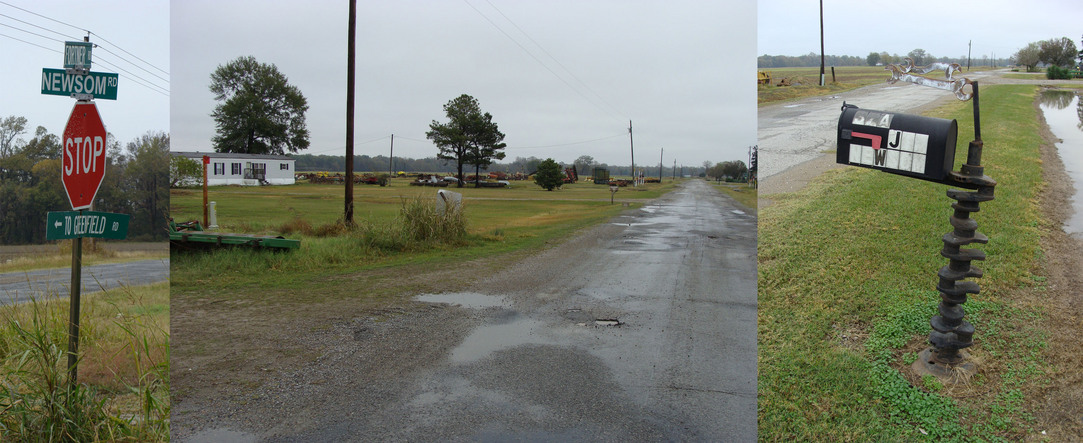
x: 83, y: 156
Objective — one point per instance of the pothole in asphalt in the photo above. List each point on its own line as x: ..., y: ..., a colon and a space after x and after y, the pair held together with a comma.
x: 608, y: 322
x: 491, y: 338
x: 465, y: 299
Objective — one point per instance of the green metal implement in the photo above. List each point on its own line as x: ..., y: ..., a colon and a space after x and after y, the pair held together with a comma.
x: 192, y: 232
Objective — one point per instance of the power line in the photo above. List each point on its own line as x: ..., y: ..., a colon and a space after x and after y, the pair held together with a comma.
x: 133, y: 64
x: 567, y: 144
x: 39, y: 27
x: 129, y: 53
x: 30, y: 32
x: 44, y: 17
x: 114, y: 65
x: 147, y: 83
x: 547, y: 68
x: 565, y: 68
x: 29, y: 43
x: 99, y: 36
x: 343, y: 147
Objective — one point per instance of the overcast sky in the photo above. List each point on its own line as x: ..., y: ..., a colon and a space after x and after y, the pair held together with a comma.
x: 941, y: 28
x: 679, y: 70
x: 140, y: 28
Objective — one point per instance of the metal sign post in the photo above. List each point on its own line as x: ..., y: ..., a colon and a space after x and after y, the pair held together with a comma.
x: 83, y: 161
x: 924, y: 148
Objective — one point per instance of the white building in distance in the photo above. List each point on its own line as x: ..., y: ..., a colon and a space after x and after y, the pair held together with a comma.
x: 226, y: 168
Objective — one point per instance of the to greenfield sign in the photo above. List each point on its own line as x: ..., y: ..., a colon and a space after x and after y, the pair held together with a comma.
x: 97, y: 84
x: 75, y: 224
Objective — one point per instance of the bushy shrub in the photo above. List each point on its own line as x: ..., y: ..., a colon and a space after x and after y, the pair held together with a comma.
x: 1058, y: 73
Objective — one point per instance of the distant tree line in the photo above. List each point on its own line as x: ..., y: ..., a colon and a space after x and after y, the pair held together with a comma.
x: 920, y: 57
x: 363, y: 163
x: 135, y: 183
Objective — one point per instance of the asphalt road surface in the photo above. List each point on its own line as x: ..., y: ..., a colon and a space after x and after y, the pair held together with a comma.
x: 792, y: 133
x: 19, y: 287
x: 642, y: 329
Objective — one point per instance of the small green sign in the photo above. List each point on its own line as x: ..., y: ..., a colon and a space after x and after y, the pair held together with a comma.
x: 97, y: 84
x: 77, y: 55
x: 75, y: 224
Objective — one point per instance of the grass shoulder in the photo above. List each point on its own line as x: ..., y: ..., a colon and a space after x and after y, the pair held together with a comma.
x: 123, y: 389
x: 847, y: 269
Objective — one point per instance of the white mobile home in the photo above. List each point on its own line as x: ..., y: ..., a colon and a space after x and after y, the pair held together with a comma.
x: 245, y: 169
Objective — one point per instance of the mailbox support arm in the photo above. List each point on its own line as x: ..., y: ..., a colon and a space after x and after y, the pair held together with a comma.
x: 950, y: 332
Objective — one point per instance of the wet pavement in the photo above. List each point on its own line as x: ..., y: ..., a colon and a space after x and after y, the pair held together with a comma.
x: 792, y: 133
x: 640, y: 329
x: 19, y: 287
x: 649, y: 334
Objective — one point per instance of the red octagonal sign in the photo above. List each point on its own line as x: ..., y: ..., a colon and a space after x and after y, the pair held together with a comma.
x: 83, y: 158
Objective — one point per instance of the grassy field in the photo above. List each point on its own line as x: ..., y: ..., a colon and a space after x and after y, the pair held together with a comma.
x: 498, y: 221
x: 741, y: 192
x: 806, y: 81
x: 847, y: 275
x: 123, y: 368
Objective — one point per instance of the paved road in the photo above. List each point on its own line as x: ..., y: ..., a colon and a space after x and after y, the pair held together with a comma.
x: 643, y: 329
x: 18, y: 287
x: 792, y: 133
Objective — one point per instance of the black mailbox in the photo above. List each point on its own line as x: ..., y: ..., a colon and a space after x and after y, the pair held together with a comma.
x: 910, y: 145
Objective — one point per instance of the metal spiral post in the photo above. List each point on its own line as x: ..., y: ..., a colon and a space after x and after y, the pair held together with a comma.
x: 951, y: 332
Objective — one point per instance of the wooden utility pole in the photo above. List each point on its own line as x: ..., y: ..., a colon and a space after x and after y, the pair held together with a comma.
x: 822, y: 43
x: 631, y: 145
x: 969, y: 44
x: 391, y: 161
x: 660, y: 164
x: 348, y: 216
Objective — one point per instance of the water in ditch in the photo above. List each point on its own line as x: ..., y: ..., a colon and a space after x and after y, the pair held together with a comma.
x: 1064, y: 115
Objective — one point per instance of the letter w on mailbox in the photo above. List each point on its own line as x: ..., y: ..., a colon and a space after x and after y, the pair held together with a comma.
x: 920, y: 147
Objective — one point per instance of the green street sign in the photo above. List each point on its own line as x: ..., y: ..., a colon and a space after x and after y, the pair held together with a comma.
x: 75, y: 224
x: 96, y: 84
x: 77, y: 55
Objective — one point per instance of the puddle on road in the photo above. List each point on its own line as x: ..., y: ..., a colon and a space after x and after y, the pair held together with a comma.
x: 608, y: 322
x: 222, y: 436
x: 740, y: 212
x: 1064, y: 115
x: 491, y: 338
x: 471, y: 300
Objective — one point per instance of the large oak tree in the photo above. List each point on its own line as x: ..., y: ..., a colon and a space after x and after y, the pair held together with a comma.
x: 260, y: 112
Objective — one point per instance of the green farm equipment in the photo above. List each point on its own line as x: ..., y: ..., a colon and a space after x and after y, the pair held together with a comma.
x: 192, y: 234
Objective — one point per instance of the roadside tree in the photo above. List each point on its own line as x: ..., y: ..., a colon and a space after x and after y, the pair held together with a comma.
x: 921, y: 57
x: 10, y: 128
x: 549, y: 175
x: 469, y: 137
x: 184, y: 170
x: 583, y: 164
x: 1028, y: 56
x: 259, y: 111
x: 873, y: 58
x: 1058, y: 52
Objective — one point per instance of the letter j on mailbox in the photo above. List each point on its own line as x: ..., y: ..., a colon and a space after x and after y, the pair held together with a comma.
x: 910, y: 145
